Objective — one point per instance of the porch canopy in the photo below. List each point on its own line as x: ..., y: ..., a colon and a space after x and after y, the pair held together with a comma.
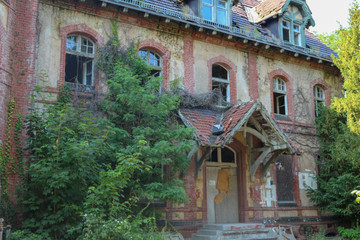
x: 217, y: 127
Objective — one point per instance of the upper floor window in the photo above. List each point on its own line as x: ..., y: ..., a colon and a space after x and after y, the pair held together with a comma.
x: 79, y: 65
x: 291, y: 32
x: 292, y: 25
x: 220, y: 81
x: 319, y: 98
x: 152, y: 59
x: 279, y: 94
x: 216, y: 11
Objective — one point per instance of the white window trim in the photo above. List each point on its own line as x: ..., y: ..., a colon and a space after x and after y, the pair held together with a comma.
x: 292, y: 31
x: 283, y: 93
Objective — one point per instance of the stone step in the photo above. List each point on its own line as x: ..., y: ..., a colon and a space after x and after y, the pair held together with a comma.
x: 236, y: 231
x: 204, y: 237
x: 210, y: 232
x: 235, y: 226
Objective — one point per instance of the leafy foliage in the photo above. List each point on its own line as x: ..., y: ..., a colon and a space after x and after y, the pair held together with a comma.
x: 349, y: 233
x: 339, y: 167
x: 66, y: 144
x: 348, y: 63
x: 89, y: 176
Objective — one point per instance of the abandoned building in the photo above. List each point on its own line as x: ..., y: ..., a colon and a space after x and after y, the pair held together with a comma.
x: 256, y: 150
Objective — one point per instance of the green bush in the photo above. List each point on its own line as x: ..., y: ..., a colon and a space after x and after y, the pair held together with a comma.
x: 349, y: 233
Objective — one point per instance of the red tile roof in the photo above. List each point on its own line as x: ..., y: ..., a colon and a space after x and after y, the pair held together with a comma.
x: 232, y: 117
x: 202, y: 120
x: 269, y: 8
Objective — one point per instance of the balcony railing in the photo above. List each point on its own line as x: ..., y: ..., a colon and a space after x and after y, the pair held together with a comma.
x: 247, y: 32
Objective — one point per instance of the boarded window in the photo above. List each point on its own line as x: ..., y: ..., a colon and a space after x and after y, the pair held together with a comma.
x: 284, y: 177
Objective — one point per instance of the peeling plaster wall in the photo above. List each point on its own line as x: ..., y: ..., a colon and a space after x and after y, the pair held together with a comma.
x: 52, y: 19
x: 302, y: 76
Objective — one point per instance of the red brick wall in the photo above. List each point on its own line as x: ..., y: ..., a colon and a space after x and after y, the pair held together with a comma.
x: 17, y: 61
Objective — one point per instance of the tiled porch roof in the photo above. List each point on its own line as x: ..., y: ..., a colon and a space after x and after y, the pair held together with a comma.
x: 231, y: 122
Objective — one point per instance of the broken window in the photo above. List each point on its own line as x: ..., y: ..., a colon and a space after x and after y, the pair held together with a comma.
x: 286, y: 31
x: 319, y: 98
x: 291, y: 32
x: 79, y: 65
x: 284, y: 181
x: 222, y: 155
x: 220, y: 81
x: 279, y: 94
x: 297, y: 34
x: 215, y: 11
x: 152, y: 59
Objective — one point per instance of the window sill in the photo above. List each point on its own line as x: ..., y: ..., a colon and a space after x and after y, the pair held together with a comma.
x: 282, y: 117
x: 287, y: 204
x: 81, y: 88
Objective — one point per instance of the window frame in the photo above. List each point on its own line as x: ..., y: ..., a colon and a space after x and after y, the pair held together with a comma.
x: 148, y: 62
x: 79, y: 53
x: 296, y: 37
x: 220, y: 162
x: 280, y: 92
x: 221, y: 81
x: 214, y: 10
x: 318, y: 100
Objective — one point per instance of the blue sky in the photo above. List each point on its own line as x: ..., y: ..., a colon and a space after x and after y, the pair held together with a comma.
x: 326, y: 13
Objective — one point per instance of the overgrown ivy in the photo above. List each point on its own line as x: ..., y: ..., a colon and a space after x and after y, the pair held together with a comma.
x: 11, y: 163
x: 91, y: 177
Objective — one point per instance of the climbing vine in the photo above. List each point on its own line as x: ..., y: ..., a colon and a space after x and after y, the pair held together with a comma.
x: 11, y: 155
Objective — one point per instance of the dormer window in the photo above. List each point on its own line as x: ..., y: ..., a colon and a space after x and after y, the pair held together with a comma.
x: 286, y: 31
x: 216, y: 11
x: 297, y: 34
x: 292, y: 26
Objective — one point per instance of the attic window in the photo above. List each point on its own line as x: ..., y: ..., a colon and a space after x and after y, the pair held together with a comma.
x: 215, y: 11
x: 286, y: 31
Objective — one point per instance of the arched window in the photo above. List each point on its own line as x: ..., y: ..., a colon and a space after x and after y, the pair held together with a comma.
x: 319, y: 98
x: 222, y: 155
x: 152, y: 59
x: 220, y: 81
x: 279, y: 92
x: 79, y: 65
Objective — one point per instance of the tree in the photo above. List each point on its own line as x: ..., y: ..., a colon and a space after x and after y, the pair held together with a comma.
x: 349, y: 65
x: 338, y: 169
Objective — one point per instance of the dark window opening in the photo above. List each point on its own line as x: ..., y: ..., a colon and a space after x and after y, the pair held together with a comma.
x: 222, y: 155
x: 284, y: 177
x: 79, y: 63
x: 279, y: 103
x: 227, y: 155
x: 78, y: 69
x: 220, y: 81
